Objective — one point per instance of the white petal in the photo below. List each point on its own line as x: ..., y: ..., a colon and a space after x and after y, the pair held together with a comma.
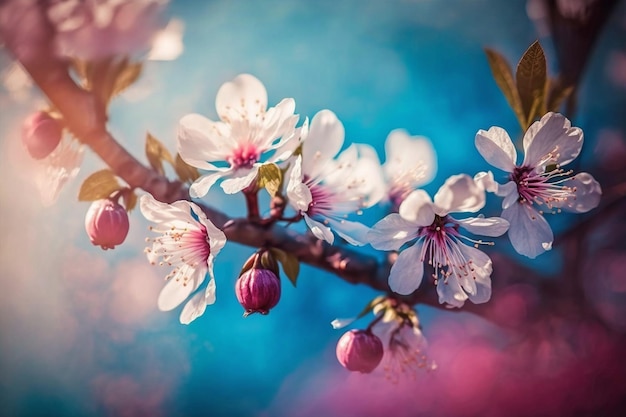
x: 194, y: 308
x: 553, y: 133
x: 509, y: 192
x: 177, y: 289
x: 411, y: 157
x: 587, y: 195
x: 496, y: 147
x: 324, y: 140
x: 159, y: 212
x: 391, y: 232
x: 485, y: 226
x: 298, y: 193
x: 319, y: 230
x: 459, y: 194
x: 235, y: 184
x: 479, y: 288
x: 407, y: 272
x: 201, y: 140
x: 417, y: 208
x: 486, y: 182
x: 280, y: 122
x: 341, y: 323
x: 354, y: 233
x: 245, y: 96
x: 450, y: 292
x: 209, y: 293
x: 202, y: 185
x: 529, y: 232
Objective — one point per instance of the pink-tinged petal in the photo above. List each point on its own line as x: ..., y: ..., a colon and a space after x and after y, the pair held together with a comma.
x: 529, y: 232
x: 298, y: 193
x: 243, y: 97
x: 178, y: 288
x: 478, y: 285
x: 450, y: 292
x: 217, y: 238
x: 319, y: 230
x: 194, y: 308
x: 496, y: 147
x: 60, y: 167
x: 485, y: 226
x: 486, y: 182
x: 509, y: 192
x: 417, y: 208
x: 354, y: 233
x: 368, y: 172
x: 201, y: 140
x: 392, y: 232
x: 323, y: 142
x: 237, y: 183
x: 459, y: 194
x: 409, y: 158
x: 202, y: 185
x: 158, y: 212
x: 407, y: 271
x: 586, y: 197
x: 554, y: 135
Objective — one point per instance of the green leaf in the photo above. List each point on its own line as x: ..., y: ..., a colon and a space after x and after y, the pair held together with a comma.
x: 291, y: 265
x: 503, y: 76
x: 99, y: 185
x: 185, y: 172
x: 531, y: 78
x: 270, y: 177
x: 157, y: 153
x: 370, y: 306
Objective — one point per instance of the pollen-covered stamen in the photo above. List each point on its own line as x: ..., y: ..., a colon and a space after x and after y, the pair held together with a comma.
x: 442, y: 249
x: 543, y: 188
x: 244, y: 156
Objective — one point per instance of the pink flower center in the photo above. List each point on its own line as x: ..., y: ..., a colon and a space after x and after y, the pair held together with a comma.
x: 245, y: 156
x: 321, y: 200
x: 542, y: 188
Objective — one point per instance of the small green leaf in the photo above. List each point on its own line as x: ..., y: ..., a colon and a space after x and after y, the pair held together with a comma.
x: 157, y: 153
x: 370, y: 306
x: 99, y: 185
x: 531, y: 79
x: 270, y: 177
x: 291, y: 265
x: 185, y: 172
x: 503, y: 76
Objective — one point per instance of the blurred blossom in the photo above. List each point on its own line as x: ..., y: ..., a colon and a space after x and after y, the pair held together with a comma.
x: 100, y: 29
x: 16, y: 81
x: 411, y: 162
x: 538, y: 183
x: 168, y: 43
x: 247, y: 131
x: 611, y: 149
x: 616, y: 68
x: 188, y: 242
x: 41, y: 134
x: 324, y: 190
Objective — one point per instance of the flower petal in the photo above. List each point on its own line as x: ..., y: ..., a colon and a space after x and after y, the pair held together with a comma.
x: 201, y: 140
x: 552, y: 134
x: 450, y: 292
x: 586, y: 197
x: 407, y: 272
x: 480, y: 279
x: 509, y: 192
x: 325, y: 138
x: 392, y: 232
x: 158, y: 212
x: 459, y: 194
x: 417, y: 208
x: 245, y: 96
x: 237, y: 183
x: 319, y: 230
x: 354, y: 233
x: 298, y: 193
x: 496, y: 147
x: 194, y: 308
x: 486, y: 181
x: 409, y: 158
x: 202, y: 185
x: 341, y: 323
x: 178, y: 288
x: 529, y: 232
x: 485, y: 226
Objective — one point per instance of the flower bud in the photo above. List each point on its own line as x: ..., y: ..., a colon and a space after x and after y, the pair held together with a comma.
x: 258, y: 290
x: 359, y: 350
x: 41, y: 134
x: 106, y: 223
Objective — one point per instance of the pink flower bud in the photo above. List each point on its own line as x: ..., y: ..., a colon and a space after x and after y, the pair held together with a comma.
x: 359, y: 350
x: 258, y: 290
x: 41, y: 134
x: 106, y: 223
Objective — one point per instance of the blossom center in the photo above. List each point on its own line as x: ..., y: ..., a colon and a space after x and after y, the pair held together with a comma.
x: 245, y: 156
x: 542, y: 188
x: 321, y: 200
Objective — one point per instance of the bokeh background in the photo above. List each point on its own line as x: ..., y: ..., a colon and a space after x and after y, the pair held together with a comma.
x: 79, y: 330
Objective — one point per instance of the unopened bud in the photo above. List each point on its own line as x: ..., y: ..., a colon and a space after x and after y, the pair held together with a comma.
x: 359, y: 350
x: 41, y: 133
x: 106, y: 223
x: 258, y: 290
